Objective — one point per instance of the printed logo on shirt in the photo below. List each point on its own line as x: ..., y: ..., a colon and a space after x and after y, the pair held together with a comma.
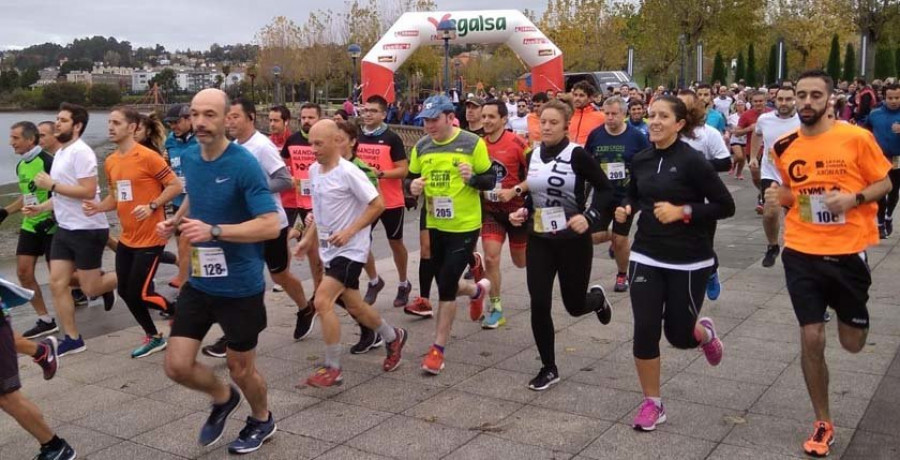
x: 221, y: 180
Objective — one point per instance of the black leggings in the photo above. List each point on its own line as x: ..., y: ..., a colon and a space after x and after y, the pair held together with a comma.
x: 665, y: 299
x: 450, y: 255
x: 570, y: 260
x: 135, y: 268
x: 887, y: 204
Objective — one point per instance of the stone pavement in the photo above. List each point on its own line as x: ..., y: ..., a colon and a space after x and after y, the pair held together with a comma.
x: 753, y: 406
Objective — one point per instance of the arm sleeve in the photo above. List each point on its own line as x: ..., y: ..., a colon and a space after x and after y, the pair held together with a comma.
x: 360, y: 185
x: 159, y: 169
x: 398, y: 150
x: 598, y: 212
x: 256, y: 190
x: 720, y: 156
x: 484, y: 178
x: 86, y: 164
x: 415, y: 167
x: 721, y: 203
x: 280, y: 180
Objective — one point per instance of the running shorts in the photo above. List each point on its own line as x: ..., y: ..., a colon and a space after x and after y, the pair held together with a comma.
x: 817, y: 282
x: 241, y: 318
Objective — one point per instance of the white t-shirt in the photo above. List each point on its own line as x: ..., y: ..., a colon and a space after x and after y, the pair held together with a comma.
x: 511, y: 108
x: 733, y: 120
x: 723, y: 105
x: 518, y: 125
x: 270, y: 160
x: 339, y: 197
x: 77, y: 161
x: 772, y: 127
x: 708, y: 141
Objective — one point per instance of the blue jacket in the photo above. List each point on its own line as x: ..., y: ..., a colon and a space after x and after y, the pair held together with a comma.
x: 175, y: 147
x: 715, y: 119
x: 881, y: 120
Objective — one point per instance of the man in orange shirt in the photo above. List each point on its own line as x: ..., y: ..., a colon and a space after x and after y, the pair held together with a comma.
x: 534, y: 118
x: 833, y: 175
x: 585, y: 118
x: 140, y: 185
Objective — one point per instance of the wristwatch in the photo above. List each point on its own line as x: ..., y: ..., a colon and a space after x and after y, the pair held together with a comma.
x: 860, y: 199
x: 153, y: 206
x: 688, y: 212
x: 518, y: 189
x: 216, y: 232
x: 380, y: 174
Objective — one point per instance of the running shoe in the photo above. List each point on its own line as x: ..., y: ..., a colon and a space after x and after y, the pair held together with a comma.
x: 109, y: 299
x: 41, y: 328
x: 713, y: 287
x: 217, y: 349
x: 325, y: 377
x: 604, y: 313
x: 254, y: 434
x: 70, y: 346
x: 827, y: 316
x: 476, y: 304
x: 277, y: 288
x: 394, y: 350
x: 546, y: 378
x: 168, y: 258
x: 368, y: 339
x: 882, y: 232
x: 478, y: 266
x: 819, y: 443
x: 889, y: 226
x: 403, y: 291
x: 49, y: 359
x: 151, y: 345
x: 372, y: 291
x: 306, y: 320
x: 493, y: 319
x: 64, y: 452
x: 434, y: 361
x: 713, y: 349
x: 649, y: 416
x: 759, y: 209
x: 621, y: 282
x: 739, y: 177
x: 79, y: 298
x: 420, y: 307
x: 212, y: 430
x: 175, y: 283
x: 771, y: 254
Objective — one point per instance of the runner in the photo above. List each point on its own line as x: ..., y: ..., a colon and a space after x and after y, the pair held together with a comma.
x: 232, y: 214
x: 714, y: 118
x: 586, y: 118
x: 747, y: 125
x: 534, y: 118
x: 829, y: 225
x: 473, y: 115
x: 769, y: 128
x: 181, y: 137
x: 738, y: 142
x: 723, y: 102
x: 449, y: 166
x: 885, y: 124
x: 559, y: 242
x: 151, y: 133
x: 637, y: 110
x: 519, y: 123
x: 36, y: 233
x: 79, y: 241
x: 48, y: 140
x: 678, y: 193
x: 279, y: 131
x: 507, y: 152
x: 614, y: 145
x: 345, y: 204
x: 140, y: 185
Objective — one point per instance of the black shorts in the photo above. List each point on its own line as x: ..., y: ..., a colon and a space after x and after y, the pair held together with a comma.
x: 241, y: 318
x: 392, y: 221
x: 496, y: 226
x: 276, y: 252
x: 291, y: 215
x: 83, y: 247
x: 9, y: 361
x: 423, y: 219
x: 817, y: 282
x: 344, y: 270
x: 34, y: 244
x: 450, y: 255
x: 764, y: 184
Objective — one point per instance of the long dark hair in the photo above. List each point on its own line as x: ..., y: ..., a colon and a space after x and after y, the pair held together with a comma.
x: 156, y: 133
x: 692, y: 118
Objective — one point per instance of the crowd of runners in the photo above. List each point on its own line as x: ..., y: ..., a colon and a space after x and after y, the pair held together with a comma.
x: 554, y: 173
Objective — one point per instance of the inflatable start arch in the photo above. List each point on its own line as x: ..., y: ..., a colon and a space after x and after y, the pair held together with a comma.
x: 495, y: 26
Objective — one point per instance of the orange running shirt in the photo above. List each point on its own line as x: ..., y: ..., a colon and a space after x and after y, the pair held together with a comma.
x: 846, y: 159
x: 135, y: 179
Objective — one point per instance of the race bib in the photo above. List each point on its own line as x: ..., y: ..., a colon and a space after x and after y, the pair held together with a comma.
x: 493, y: 195
x: 305, y: 187
x: 549, y: 220
x: 183, y: 183
x: 208, y: 263
x: 614, y: 171
x: 895, y: 162
x: 176, y: 162
x: 123, y: 191
x: 442, y: 207
x: 324, y: 237
x: 814, y: 211
x: 30, y: 199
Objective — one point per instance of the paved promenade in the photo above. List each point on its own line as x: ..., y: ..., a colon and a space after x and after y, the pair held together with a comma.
x: 753, y: 406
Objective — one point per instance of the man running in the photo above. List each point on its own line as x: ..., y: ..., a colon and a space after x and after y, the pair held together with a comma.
x: 636, y: 113
x: 714, y: 118
x: 48, y: 140
x: 450, y: 166
x: 345, y: 204
x: 140, y: 185
x: 36, y: 233
x: 585, y: 118
x: 519, y: 123
x: 180, y: 138
x: 473, y: 115
x: 885, y: 124
x: 279, y: 132
x: 232, y: 214
x: 833, y: 174
x: 747, y: 125
x: 770, y: 127
x: 79, y: 241
x: 723, y: 102
x: 613, y: 145
x: 534, y: 119
x: 507, y: 152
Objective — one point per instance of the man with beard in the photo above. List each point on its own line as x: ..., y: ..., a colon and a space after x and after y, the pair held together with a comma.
x: 714, y: 118
x: 747, y: 125
x: 279, y: 132
x: 180, y: 138
x: 473, y: 115
x: 519, y: 123
x: 769, y: 128
x: 829, y: 226
x: 585, y: 118
x: 636, y: 113
x: 885, y: 125
x: 48, y: 139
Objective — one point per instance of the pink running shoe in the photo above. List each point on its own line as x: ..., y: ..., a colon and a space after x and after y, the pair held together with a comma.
x: 649, y: 416
x: 714, y: 348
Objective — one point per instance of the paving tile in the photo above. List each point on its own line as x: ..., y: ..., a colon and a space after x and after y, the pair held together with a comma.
x: 622, y: 441
x: 387, y: 395
x: 487, y: 447
x: 101, y: 369
x: 481, y: 354
x: 282, y: 446
x: 588, y: 400
x: 180, y: 436
x: 453, y: 373
x: 794, y: 404
x: 529, y: 361
x: 131, y: 451
x: 749, y: 347
x: 180, y: 396
x: 119, y: 343
x: 780, y: 436
x: 728, y: 452
x: 296, y: 382
x: 139, y: 382
x: 282, y: 404
x: 695, y: 420
x: 133, y: 418
x: 874, y: 446
x: 429, y: 440
x: 760, y: 371
x: 499, y: 384
x: 463, y: 410
x: 333, y: 421
x: 840, y: 383
x: 349, y: 453
x: 83, y: 440
x: 550, y: 429
x: 82, y: 401
x: 713, y: 391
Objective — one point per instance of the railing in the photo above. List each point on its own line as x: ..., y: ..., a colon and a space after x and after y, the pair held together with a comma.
x: 409, y: 134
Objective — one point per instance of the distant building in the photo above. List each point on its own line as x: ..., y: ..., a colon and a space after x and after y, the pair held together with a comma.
x: 140, y: 80
x: 79, y: 76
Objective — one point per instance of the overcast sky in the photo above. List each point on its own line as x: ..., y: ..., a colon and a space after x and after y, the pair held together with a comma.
x: 176, y: 24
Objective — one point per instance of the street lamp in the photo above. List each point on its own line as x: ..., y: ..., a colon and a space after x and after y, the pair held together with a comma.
x: 447, y: 29
x: 456, y: 64
x: 276, y: 71
x: 354, y: 51
x: 681, y: 47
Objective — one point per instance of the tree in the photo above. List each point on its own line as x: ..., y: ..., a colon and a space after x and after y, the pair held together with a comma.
x: 70, y: 66
x: 589, y: 33
x: 29, y: 77
x: 719, y: 73
x: 740, y: 71
x: 751, y: 67
x: 884, y: 63
x: 9, y: 80
x: 806, y: 26
x: 56, y: 93
x: 167, y: 81
x: 897, y: 60
x: 849, y: 63
x: 104, y: 95
x: 834, y: 59
x: 112, y: 58
x: 772, y: 65
x: 875, y: 19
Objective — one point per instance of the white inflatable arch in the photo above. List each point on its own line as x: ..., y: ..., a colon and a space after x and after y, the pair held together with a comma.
x: 494, y: 26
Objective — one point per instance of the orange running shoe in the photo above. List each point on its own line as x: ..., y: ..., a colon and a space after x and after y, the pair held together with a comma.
x: 434, y: 361
x: 819, y: 443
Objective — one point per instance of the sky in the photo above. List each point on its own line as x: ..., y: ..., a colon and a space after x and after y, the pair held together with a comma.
x: 175, y: 24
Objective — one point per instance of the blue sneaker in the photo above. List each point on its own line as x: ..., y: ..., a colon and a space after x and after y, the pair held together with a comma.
x: 64, y: 452
x: 215, y: 425
x: 70, y: 346
x: 713, y: 287
x: 254, y: 434
x: 493, y: 319
x: 151, y: 345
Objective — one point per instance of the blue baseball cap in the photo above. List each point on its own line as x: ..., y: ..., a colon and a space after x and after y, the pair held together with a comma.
x: 434, y: 106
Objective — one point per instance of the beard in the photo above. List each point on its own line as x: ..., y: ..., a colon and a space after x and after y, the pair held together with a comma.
x: 65, y: 136
x: 305, y: 127
x: 810, y: 120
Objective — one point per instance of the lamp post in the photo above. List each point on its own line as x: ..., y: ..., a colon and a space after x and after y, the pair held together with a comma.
x: 252, y: 74
x: 681, y: 47
x: 354, y: 51
x: 276, y: 72
x: 447, y: 29
x: 699, y: 60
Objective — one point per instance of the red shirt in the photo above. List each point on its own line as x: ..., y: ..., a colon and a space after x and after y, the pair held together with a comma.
x: 748, y: 118
x: 288, y: 197
x: 508, y: 161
